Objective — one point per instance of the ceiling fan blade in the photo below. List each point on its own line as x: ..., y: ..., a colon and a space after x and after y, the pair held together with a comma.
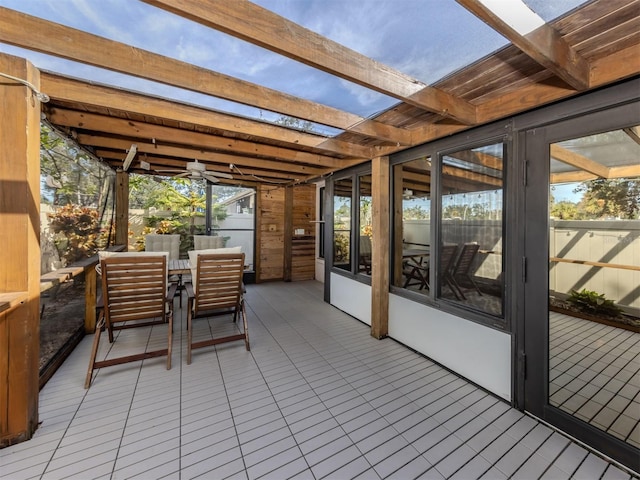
x: 210, y: 178
x: 170, y: 170
x: 183, y: 174
x: 219, y: 174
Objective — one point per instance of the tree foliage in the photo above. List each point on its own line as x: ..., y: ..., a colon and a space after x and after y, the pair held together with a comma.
x: 601, y: 199
x: 610, y: 198
x: 81, y: 179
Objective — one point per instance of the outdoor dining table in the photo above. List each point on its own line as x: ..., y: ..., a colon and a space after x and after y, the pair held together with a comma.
x: 179, y: 267
x: 417, y: 255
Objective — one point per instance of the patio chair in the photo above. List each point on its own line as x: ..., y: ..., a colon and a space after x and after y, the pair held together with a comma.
x: 462, y: 268
x: 365, y: 254
x: 415, y: 274
x: 447, y: 259
x: 155, y: 242
x: 217, y: 290
x: 134, y: 295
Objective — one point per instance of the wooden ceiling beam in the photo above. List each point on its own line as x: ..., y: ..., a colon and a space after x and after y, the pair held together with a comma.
x: 257, y: 25
x: 615, y: 67
x: 544, y: 44
x: 167, y: 135
x: 189, y: 154
x: 161, y: 163
x: 633, y: 133
x: 36, y: 34
x: 72, y: 90
x: 579, y: 161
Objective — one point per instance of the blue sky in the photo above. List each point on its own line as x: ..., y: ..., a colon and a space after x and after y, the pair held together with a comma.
x: 426, y: 39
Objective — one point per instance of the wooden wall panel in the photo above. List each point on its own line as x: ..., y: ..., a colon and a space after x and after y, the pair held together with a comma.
x: 303, y: 251
x: 270, y: 229
x: 274, y: 230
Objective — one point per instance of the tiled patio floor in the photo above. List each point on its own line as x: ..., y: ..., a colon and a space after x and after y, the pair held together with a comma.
x: 595, y: 374
x: 316, y: 397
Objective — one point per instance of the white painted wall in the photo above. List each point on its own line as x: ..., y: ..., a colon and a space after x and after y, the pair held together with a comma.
x: 480, y: 354
x: 351, y: 297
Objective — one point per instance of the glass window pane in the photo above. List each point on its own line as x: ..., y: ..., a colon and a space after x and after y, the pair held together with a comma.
x: 366, y: 225
x: 233, y: 218
x: 470, y: 254
x: 321, y: 225
x: 342, y: 193
x: 412, y: 232
x: 594, y: 273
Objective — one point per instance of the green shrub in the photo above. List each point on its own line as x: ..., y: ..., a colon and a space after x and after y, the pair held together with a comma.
x: 589, y: 301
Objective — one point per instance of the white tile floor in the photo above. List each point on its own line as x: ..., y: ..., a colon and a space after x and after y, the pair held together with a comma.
x: 317, y: 397
x: 595, y: 374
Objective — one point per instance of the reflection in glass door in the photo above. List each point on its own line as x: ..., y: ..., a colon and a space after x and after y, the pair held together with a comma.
x: 581, y: 267
x: 594, y: 282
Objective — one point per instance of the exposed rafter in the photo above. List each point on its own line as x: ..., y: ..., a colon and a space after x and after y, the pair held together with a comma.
x: 166, y: 135
x: 579, y: 161
x: 262, y: 27
x: 78, y: 91
x: 54, y: 39
x: 543, y: 44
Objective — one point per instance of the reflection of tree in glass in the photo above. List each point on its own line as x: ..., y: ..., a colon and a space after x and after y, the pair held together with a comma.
x: 610, y: 198
x: 601, y: 199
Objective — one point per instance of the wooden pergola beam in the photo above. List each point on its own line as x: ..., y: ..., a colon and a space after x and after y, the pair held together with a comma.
x: 544, y: 44
x: 583, y: 176
x: 36, y: 34
x: 216, y: 160
x: 252, y: 23
x: 167, y: 135
x: 73, y: 90
x: 579, y: 161
x: 159, y: 162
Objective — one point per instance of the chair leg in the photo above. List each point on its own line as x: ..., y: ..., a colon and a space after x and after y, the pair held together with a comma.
x: 170, y: 345
x: 109, y: 329
x: 189, y: 331
x: 246, y: 328
x: 94, y: 352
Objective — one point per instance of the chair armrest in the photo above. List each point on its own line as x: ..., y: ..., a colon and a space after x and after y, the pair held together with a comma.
x: 189, y: 288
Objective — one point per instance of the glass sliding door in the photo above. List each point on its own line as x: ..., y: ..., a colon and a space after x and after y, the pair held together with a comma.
x: 594, y: 282
x: 582, y: 293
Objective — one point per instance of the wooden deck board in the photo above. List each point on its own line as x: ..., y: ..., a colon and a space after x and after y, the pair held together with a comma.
x: 316, y: 396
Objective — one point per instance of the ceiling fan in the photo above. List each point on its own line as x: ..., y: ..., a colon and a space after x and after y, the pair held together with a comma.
x: 196, y: 170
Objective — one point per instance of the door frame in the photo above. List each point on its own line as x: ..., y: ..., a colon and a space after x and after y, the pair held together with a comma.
x: 534, y: 345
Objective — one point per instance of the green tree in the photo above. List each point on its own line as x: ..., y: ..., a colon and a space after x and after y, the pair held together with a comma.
x: 565, y: 210
x: 617, y: 198
x: 72, y: 176
x: 415, y: 213
x: 296, y: 123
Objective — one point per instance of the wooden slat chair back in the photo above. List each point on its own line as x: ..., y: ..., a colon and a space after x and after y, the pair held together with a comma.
x: 217, y: 290
x: 447, y: 259
x: 134, y: 291
x: 462, y: 267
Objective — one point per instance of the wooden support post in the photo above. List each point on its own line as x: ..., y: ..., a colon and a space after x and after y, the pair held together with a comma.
x: 380, y: 247
x: 122, y: 208
x: 20, y: 252
x: 90, y: 297
x: 288, y: 232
